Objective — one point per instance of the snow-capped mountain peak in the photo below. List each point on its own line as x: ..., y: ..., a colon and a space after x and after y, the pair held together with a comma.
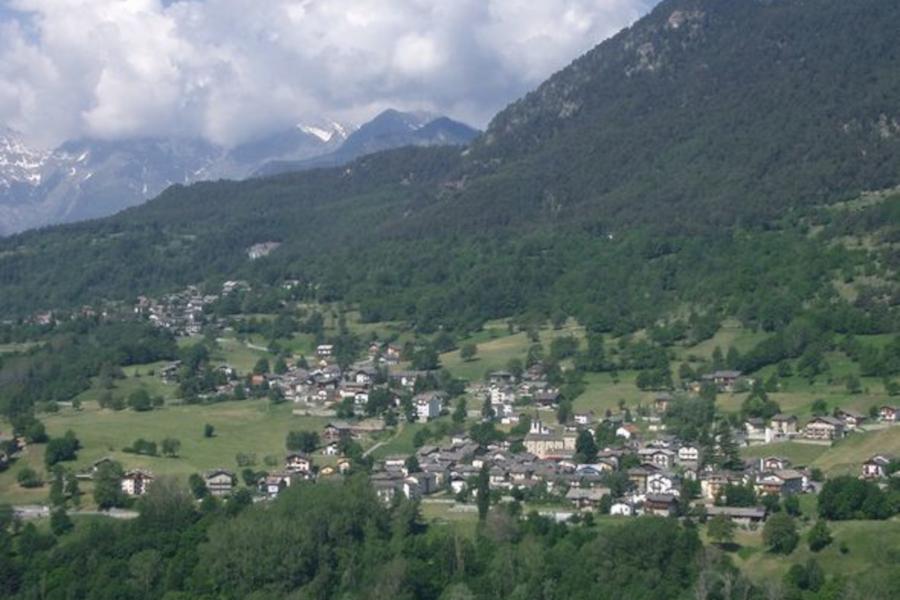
x: 20, y: 163
x: 326, y: 131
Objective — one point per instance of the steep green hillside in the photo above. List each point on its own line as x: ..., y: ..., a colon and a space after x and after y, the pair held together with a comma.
x: 681, y: 166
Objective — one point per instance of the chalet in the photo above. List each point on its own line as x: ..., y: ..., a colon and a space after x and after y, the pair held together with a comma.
x: 424, y: 483
x: 621, y: 509
x: 773, y: 463
x: 324, y: 350
x: 136, y: 481
x: 337, y: 431
x: 876, y: 467
x: 688, y: 454
x: 387, y: 486
x: 725, y: 381
x: 780, y: 483
x: 391, y: 355
x: 660, y: 457
x: 627, y: 431
x: 429, y: 405
x: 824, y: 428
x: 783, y: 425
x: 407, y: 379
x: 501, y: 378
x: 741, y: 515
x: 344, y: 465
x: 755, y: 430
x: 638, y: 476
x: 298, y: 463
x: 889, y: 414
x: 546, y: 397
x: 331, y: 449
x: 364, y: 375
x: 219, y: 482
x: 584, y: 418
x: 661, y: 505
x: 662, y: 483
x: 274, y: 483
x: 851, y: 418
x: 587, y: 498
x: 662, y: 402
x: 712, y: 485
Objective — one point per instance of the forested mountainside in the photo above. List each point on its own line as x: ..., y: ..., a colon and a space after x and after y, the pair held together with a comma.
x: 689, y: 159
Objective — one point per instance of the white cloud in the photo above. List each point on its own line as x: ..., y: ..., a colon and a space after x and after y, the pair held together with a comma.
x: 230, y: 69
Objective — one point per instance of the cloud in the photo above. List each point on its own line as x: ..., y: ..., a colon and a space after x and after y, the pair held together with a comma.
x: 228, y: 70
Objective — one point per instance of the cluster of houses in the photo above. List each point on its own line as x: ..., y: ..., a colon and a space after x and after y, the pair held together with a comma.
x: 506, y: 393
x: 183, y: 312
x: 655, y: 480
x: 821, y: 428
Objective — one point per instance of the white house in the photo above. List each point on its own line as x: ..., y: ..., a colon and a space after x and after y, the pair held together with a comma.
x: 429, y: 405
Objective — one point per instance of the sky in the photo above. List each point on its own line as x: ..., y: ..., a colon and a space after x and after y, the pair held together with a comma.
x: 233, y: 70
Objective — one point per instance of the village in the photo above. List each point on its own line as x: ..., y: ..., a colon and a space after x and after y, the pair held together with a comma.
x: 616, y: 464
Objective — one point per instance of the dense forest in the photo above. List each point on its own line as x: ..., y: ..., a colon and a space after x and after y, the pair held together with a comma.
x: 669, y: 165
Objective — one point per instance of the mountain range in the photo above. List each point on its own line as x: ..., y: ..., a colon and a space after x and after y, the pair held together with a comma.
x: 705, y: 157
x: 86, y: 179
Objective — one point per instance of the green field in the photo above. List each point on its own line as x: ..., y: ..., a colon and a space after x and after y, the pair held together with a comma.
x: 844, y: 457
x: 874, y: 547
x: 248, y: 427
x: 496, y: 347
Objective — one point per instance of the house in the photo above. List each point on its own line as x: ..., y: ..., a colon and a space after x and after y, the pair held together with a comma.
x: 136, y: 481
x: 331, y: 449
x: 219, y: 482
x: 661, y: 482
x: 773, y: 463
x: 851, y: 418
x: 429, y: 405
x: 688, y: 454
x: 407, y: 379
x: 783, y: 425
x: 274, y: 483
x: 780, y: 483
x: 662, y: 505
x: 545, y: 443
x: 425, y: 483
x: 660, y: 457
x: 713, y: 484
x: 587, y: 498
x: 876, y: 467
x: 387, y: 486
x: 584, y: 419
x: 337, y: 431
x: 501, y: 378
x: 627, y: 431
x: 662, y: 402
x: 755, y: 430
x: 725, y: 381
x: 621, y: 509
x: 740, y: 515
x: 824, y: 428
x: 889, y: 414
x: 344, y: 465
x: 639, y: 476
x: 298, y: 463
x: 364, y: 375
x: 324, y: 350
